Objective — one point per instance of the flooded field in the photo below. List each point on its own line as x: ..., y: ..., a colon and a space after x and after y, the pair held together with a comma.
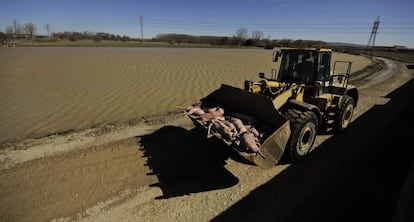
x: 48, y: 90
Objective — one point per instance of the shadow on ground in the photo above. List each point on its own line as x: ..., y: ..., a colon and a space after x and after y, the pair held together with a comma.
x: 185, y: 161
x: 354, y: 176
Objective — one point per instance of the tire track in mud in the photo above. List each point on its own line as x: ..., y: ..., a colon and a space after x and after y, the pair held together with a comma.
x: 378, y: 77
x: 63, y: 185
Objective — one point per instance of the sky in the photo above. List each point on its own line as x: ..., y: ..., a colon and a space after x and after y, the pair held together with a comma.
x: 347, y: 21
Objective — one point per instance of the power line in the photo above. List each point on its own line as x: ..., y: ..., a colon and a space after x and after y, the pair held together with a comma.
x: 350, y: 28
x: 182, y: 21
x: 161, y: 25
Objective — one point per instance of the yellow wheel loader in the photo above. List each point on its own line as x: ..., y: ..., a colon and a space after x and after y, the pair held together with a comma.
x: 281, y: 113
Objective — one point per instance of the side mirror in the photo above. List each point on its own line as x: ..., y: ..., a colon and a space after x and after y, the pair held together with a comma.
x: 261, y: 75
x: 276, y: 55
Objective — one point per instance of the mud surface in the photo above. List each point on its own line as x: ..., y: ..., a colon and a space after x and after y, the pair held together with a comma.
x: 53, y: 90
x: 164, y: 169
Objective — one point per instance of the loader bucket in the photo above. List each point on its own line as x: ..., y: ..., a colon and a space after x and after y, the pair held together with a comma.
x: 234, y: 100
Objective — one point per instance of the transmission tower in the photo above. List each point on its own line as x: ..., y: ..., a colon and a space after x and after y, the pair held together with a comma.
x: 371, y: 41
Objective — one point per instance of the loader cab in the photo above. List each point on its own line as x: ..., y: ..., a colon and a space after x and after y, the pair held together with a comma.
x: 304, y: 65
x: 297, y: 66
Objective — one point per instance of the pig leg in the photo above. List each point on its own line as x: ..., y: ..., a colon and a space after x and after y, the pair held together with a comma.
x: 196, y: 111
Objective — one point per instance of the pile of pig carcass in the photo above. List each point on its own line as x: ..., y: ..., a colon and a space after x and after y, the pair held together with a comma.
x: 238, y: 128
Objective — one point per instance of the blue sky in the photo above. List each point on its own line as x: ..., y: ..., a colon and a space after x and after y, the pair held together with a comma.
x: 329, y: 20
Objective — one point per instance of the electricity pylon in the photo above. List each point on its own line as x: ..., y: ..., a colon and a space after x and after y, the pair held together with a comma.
x: 371, y: 41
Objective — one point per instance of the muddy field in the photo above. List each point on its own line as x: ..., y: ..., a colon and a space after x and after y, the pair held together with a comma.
x: 50, y: 90
x: 164, y: 169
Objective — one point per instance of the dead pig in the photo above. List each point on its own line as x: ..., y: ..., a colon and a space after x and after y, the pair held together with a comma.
x: 239, y: 125
x: 218, y: 112
x: 248, y: 141
x: 194, y: 109
x: 224, y: 129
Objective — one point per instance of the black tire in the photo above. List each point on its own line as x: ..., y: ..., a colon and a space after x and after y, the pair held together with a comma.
x: 303, y: 126
x: 345, y: 112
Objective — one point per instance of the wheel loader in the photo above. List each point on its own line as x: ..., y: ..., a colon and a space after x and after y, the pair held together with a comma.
x: 281, y: 114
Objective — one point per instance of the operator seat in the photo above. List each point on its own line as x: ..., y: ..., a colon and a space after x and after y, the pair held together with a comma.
x: 305, y: 71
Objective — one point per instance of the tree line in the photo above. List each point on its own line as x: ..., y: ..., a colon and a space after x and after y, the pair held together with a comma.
x: 28, y: 31
x: 241, y: 37
x: 17, y: 30
x: 95, y: 36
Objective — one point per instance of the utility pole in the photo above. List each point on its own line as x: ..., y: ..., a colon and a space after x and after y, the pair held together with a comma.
x: 141, y: 21
x: 371, y: 41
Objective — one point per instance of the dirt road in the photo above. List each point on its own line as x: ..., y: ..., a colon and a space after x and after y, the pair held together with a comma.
x: 163, y: 169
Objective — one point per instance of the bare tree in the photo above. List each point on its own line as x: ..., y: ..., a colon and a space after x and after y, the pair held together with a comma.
x: 269, y: 41
x: 17, y: 29
x: 241, y: 35
x: 9, y: 30
x: 30, y: 29
x: 20, y: 30
x: 257, y: 35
